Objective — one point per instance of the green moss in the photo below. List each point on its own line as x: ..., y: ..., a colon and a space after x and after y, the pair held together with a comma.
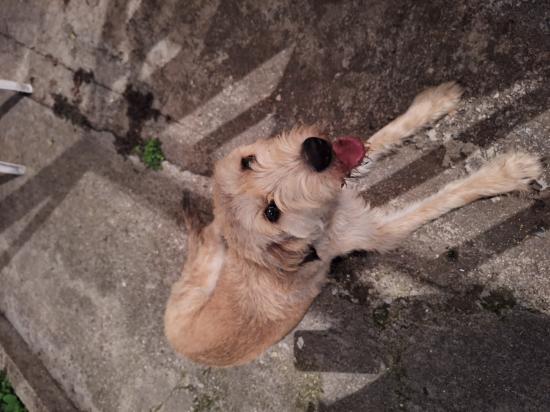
x: 309, y: 392
x: 9, y: 402
x: 150, y: 153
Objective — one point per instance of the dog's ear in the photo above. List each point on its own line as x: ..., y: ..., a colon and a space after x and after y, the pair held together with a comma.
x: 289, y: 254
x: 197, y: 211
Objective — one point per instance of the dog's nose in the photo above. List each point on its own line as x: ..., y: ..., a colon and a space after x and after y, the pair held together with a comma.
x: 317, y: 152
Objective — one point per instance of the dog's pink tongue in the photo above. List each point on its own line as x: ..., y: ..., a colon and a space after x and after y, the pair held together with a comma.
x: 350, y: 151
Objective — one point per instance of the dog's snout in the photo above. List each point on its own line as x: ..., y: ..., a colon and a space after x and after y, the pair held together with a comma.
x: 317, y: 152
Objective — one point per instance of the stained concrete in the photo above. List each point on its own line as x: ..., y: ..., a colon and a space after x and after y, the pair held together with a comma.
x: 30, y: 380
x: 456, y: 319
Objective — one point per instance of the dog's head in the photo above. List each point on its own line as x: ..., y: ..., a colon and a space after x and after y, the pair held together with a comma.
x: 274, y: 197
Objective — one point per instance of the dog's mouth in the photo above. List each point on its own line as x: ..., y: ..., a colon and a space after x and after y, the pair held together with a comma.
x: 350, y: 151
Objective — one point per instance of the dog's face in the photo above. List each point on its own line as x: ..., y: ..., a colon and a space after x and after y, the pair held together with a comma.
x: 274, y: 197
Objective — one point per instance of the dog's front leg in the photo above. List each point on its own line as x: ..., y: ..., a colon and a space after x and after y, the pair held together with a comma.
x: 427, y: 107
x: 357, y: 227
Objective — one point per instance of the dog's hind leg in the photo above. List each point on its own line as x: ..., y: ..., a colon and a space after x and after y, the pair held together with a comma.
x: 427, y: 107
x: 358, y: 227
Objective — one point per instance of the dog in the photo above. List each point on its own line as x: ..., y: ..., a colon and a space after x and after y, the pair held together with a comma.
x: 282, y: 212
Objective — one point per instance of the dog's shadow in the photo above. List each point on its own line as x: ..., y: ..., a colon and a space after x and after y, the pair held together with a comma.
x: 462, y: 352
x: 465, y: 348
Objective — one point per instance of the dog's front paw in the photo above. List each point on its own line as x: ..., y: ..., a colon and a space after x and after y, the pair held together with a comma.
x: 516, y: 170
x: 437, y: 101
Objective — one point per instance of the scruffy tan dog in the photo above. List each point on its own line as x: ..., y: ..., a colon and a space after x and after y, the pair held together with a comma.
x: 282, y: 213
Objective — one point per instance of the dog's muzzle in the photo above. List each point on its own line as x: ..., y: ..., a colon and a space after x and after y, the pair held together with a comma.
x: 317, y: 152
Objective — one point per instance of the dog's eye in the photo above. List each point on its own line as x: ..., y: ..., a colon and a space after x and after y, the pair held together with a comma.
x: 246, y: 162
x: 272, y: 212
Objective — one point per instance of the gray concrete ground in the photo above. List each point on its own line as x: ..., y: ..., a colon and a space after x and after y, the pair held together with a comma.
x: 31, y: 381
x: 456, y: 319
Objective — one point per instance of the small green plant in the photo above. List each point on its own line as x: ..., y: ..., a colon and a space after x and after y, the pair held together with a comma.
x: 150, y: 153
x: 9, y: 402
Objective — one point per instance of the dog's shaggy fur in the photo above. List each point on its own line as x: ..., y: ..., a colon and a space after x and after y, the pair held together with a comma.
x: 249, y: 279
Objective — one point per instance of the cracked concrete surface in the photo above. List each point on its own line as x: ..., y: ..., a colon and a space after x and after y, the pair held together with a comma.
x: 456, y: 319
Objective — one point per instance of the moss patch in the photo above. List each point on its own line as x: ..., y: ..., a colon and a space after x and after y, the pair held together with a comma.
x: 309, y: 392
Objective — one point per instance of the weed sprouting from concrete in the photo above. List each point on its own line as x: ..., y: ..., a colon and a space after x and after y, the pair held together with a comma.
x: 150, y: 153
x: 9, y: 402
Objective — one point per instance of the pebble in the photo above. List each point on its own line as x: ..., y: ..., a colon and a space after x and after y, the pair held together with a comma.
x: 345, y: 63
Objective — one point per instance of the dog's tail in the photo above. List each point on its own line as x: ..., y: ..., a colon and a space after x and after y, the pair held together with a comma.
x: 426, y: 108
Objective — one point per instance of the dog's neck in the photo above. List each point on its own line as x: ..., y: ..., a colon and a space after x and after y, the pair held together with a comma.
x: 310, y: 256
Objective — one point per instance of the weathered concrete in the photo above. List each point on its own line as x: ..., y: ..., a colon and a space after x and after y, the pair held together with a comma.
x: 456, y: 319
x: 29, y: 378
x: 31, y: 381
